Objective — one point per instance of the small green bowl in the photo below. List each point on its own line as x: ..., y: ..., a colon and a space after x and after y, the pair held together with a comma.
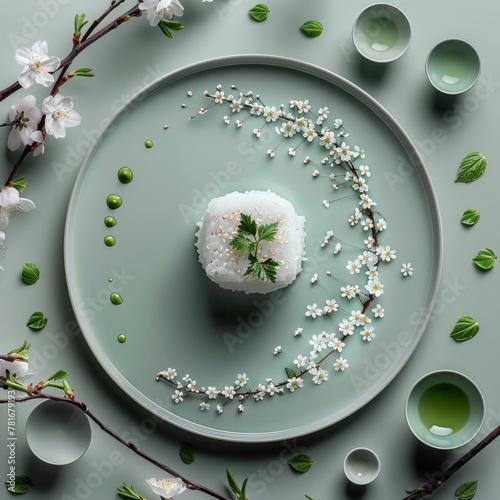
x: 57, y: 432
x: 445, y: 409
x: 453, y: 66
x: 381, y: 33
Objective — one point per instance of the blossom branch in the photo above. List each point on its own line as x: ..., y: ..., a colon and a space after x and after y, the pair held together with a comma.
x: 70, y: 399
x: 429, y: 487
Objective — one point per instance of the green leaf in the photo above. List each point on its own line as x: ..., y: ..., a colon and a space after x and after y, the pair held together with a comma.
x: 37, y: 320
x: 22, y: 350
x: 19, y: 183
x: 267, y: 232
x: 485, y: 259
x: 243, y: 494
x: 312, y: 28
x: 79, y: 23
x: 470, y: 217
x: 127, y: 491
x: 465, y: 329
x: 243, y: 244
x: 30, y: 273
x: 265, y: 271
x: 472, y: 167
x: 58, y: 375
x: 467, y: 490
x: 259, y: 12
x: 21, y: 485
x: 309, y: 497
x: 413, y: 490
x: 84, y: 72
x: 186, y: 453
x: 232, y: 483
x: 301, y: 463
x: 169, y: 24
x: 290, y: 373
x: 247, y: 225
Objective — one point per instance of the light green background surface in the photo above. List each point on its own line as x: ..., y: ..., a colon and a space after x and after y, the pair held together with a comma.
x: 444, y: 131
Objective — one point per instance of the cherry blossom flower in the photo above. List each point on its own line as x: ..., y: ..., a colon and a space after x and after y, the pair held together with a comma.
x: 11, y: 203
x: 313, y: 311
x: 378, y: 311
x: 24, y: 118
x: 59, y: 115
x: 17, y: 368
x: 156, y: 10
x: 407, y: 270
x: 167, y: 488
x: 38, y: 66
x: 341, y: 364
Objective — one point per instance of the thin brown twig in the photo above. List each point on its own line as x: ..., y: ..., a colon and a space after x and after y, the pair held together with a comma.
x: 429, y: 487
x: 129, y: 444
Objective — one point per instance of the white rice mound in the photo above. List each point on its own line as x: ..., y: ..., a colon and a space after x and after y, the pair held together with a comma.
x: 226, y: 266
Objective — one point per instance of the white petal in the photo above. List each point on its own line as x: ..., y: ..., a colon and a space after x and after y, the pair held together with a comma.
x: 40, y: 48
x: 52, y: 63
x: 14, y: 141
x: 26, y: 205
x: 45, y: 79
x: 48, y: 105
x: 27, y: 78
x: 23, y: 56
x: 73, y: 119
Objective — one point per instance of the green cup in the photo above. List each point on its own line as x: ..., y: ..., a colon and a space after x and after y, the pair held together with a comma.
x: 445, y: 409
x: 57, y: 432
x: 453, y: 66
x: 381, y: 33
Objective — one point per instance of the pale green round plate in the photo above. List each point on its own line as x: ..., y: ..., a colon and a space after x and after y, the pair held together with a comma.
x: 173, y: 316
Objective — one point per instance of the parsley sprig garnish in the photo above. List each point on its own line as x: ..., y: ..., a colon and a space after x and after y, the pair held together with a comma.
x: 248, y: 238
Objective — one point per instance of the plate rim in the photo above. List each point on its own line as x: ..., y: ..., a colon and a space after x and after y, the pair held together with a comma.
x: 400, y: 134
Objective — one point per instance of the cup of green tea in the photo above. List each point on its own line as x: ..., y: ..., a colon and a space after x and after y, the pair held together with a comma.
x: 445, y: 409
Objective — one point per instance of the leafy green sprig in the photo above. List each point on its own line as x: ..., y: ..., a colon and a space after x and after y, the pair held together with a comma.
x: 248, y: 239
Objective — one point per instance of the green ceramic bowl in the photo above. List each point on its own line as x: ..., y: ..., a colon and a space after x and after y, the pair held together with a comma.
x: 453, y: 66
x: 57, y: 432
x: 381, y: 33
x: 445, y: 409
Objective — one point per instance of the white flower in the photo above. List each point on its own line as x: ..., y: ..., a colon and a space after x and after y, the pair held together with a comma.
x: 277, y: 350
x: 358, y: 152
x: 294, y: 383
x: 300, y: 361
x: 336, y: 344
x: 228, y: 392
x: 358, y: 318
x: 353, y: 267
x: 331, y: 306
x: 178, y: 396
x: 271, y: 389
x: 342, y: 153
x: 298, y: 332
x: 340, y: 364
x: 204, y: 406
x: 367, y: 224
x: 346, y: 327
x: 309, y: 134
x: 313, y: 311
x: 170, y: 373
x: 59, y: 114
x: 255, y: 108
x: 407, y: 270
x: 241, y: 407
x: 378, y: 311
x: 337, y: 248
x: 241, y: 380
x: 211, y: 392
x: 167, y: 488
x: 367, y: 258
x: 236, y: 105
x: 374, y: 287
x: 369, y: 242
x: 349, y: 291
x: 11, y: 203
x: 156, y: 10
x: 381, y: 225
x: 327, y: 139
x: 38, y: 66
x: 366, y: 201
x: 385, y: 253
x: 270, y: 113
x: 367, y: 333
x: 24, y: 119
x: 338, y: 123
x: 220, y: 409
x: 319, y: 342
x: 320, y: 376
x: 364, y: 169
